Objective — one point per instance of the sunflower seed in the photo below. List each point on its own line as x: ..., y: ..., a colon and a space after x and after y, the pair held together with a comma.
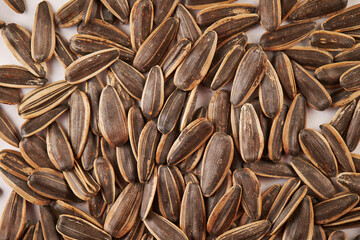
x: 348, y: 55
x: 349, y: 181
x: 287, y: 7
x: 135, y: 125
x: 219, y: 110
x: 270, y: 169
x: 149, y: 194
x: 90, y: 11
x: 17, y: 5
x: 348, y: 79
x: 154, y: 47
x: 91, y: 151
x: 8, y: 132
x: 141, y: 22
x: 331, y: 41
x: 188, y: 110
x: 96, y: 205
x: 48, y: 221
x: 235, y: 125
x: 342, y: 97
x: 127, y: 163
x: 353, y: 134
x: 286, y: 36
x: 63, y: 52
x: 337, y: 235
x: 163, y: 9
x: 342, y: 118
x: 188, y: 27
x: 319, y: 233
x: 18, y: 40
x: 94, y: 88
x: 346, y: 20
x: 165, y: 143
x: 33, y: 150
x: 251, y: 231
x: 284, y: 70
x: 275, y: 145
x: 111, y: 111
x: 313, y: 178
x: 105, y: 176
x: 70, y: 13
x: 106, y: 15
x: 305, y: 56
x: 270, y: 14
x: 12, y: 76
x: 120, y: 9
x: 11, y: 96
x: 329, y: 75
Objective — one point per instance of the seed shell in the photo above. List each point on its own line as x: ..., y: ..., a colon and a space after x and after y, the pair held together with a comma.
x: 270, y: 14
x: 188, y: 27
x: 91, y: 151
x: 188, y: 110
x: 305, y: 56
x: 127, y: 163
x: 135, y: 124
x: 270, y: 169
x: 11, y: 96
x: 349, y: 181
x: 346, y: 20
x: 48, y: 221
x: 120, y: 9
x: 33, y: 149
x: 331, y: 41
x: 12, y: 76
x: 70, y: 13
x: 251, y: 231
x: 8, y: 132
x: 353, y: 134
x: 348, y: 55
x: 348, y: 79
x: 93, y: 89
x: 284, y: 70
x: 149, y: 194
x: 342, y: 118
x: 275, y: 144
x: 329, y: 75
x: 63, y: 52
x: 219, y: 111
x: 287, y: 7
x: 105, y: 176
x: 342, y: 97
x: 163, y: 9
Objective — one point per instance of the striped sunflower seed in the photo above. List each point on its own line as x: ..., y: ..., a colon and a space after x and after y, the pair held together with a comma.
x: 331, y: 41
x: 105, y: 176
x: 8, y: 132
x: 17, y: 5
x: 91, y: 151
x: 219, y: 111
x: 342, y: 97
x: 149, y: 194
x: 353, y: 134
x: 255, y: 230
x: 266, y: 168
x: 348, y: 55
x: 349, y: 181
x: 188, y: 110
x: 70, y: 13
x: 120, y: 9
x: 89, y: 11
x: 284, y: 70
x: 63, y: 52
x: 329, y: 75
x: 127, y: 163
x: 11, y: 96
x: 12, y: 76
x: 135, y: 124
x: 287, y: 7
x: 106, y: 15
x: 93, y: 89
x: 342, y: 118
x: 348, y: 80
x: 275, y: 144
x: 165, y: 143
x: 96, y: 205
x: 48, y: 221
x: 188, y: 27
x: 163, y: 9
x: 346, y: 20
x: 270, y: 14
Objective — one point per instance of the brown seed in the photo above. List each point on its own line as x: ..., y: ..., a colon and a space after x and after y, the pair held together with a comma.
x: 287, y: 7
x: 356, y: 159
x: 38, y: 233
x: 127, y: 163
x: 348, y: 220
x: 105, y: 176
x: 188, y: 110
x: 13, y: 217
x: 51, y: 184
x: 112, y: 112
x: 93, y: 90
x: 329, y: 75
x: 342, y: 118
x: 70, y: 13
x: 152, y: 99
x: 42, y: 100
x: 123, y: 213
x: 73, y: 227
x: 165, y: 143
x: 12, y: 162
x: 125, y: 98
x: 171, y: 111
x: 18, y: 40
x: 250, y: 134
x: 154, y: 47
x: 342, y: 97
x: 313, y: 9
x: 337, y: 235
x: 348, y: 55
x: 135, y: 125
x: 305, y: 56
x: 149, y: 194
x: 190, y: 139
x: 141, y: 22
x: 301, y: 224
x: 148, y: 141
x: 319, y: 233
x: 251, y: 195
x: 331, y: 41
x: 270, y: 169
x: 188, y: 27
x: 334, y: 208
x: 216, y: 162
x: 275, y: 144
x: 284, y: 70
x: 90, y: 11
x: 91, y: 151
x: 313, y: 178
x: 248, y: 75
x: 106, y: 15
x: 348, y: 79
x: 43, y: 36
x: 346, y: 20
x: 136, y: 232
x: 270, y: 14
x: 48, y: 221
x: 286, y: 36
x: 235, y: 125
x: 63, y: 52
x: 219, y: 111
x: 17, y: 5
x: 349, y: 181
x: 251, y: 231
x: 90, y: 65
x: 12, y: 76
x: 353, y: 134
x: 163, y: 9
x: 120, y: 9
x: 193, y: 69
x: 33, y: 150
x: 59, y: 148
x: 8, y: 132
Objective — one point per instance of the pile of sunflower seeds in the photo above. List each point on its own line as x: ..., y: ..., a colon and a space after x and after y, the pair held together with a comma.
x: 149, y: 164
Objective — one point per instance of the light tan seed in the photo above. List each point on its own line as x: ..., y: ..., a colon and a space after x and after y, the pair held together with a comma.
x: 284, y: 70
x: 188, y: 27
x: 8, y: 132
x: 331, y: 41
x: 127, y: 163
x: 251, y: 231
x: 141, y: 22
x: 270, y: 14
x: 63, y: 52
x: 119, y: 8
x: 105, y: 176
x: 12, y: 76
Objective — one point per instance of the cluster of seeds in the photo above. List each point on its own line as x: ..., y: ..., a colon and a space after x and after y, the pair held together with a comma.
x: 147, y: 163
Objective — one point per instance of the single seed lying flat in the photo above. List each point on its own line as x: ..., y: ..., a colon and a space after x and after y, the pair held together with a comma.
x: 342, y: 97
x: 106, y: 15
x: 309, y: 57
x: 93, y: 89
x: 255, y: 230
x: 188, y: 28
x: 135, y: 124
x: 149, y: 194
x: 70, y: 13
x: 8, y: 132
x: 163, y: 9
x: 270, y: 14
x: 348, y: 55
x: 63, y: 52
x: 90, y: 11
x: 348, y: 79
x: 349, y: 181
x: 329, y: 75
x: 33, y: 149
x: 120, y: 9
x: 127, y: 163
x: 275, y: 144
x: 346, y: 20
x: 12, y: 76
x: 331, y: 41
x: 91, y: 151
x: 125, y: 98
x: 17, y: 5
x: 284, y: 70
x: 11, y: 96
x: 48, y: 220
x: 219, y: 110
x: 342, y: 118
x: 270, y: 169
x: 105, y: 176
x: 165, y: 143
x: 189, y: 108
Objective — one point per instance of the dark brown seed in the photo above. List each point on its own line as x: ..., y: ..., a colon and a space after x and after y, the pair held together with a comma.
x: 91, y: 151
x: 106, y: 15
x: 18, y: 40
x: 152, y: 99
x: 171, y: 111
x: 190, y: 178
x: 192, y: 214
x: 329, y: 75
x: 313, y: 178
x: 284, y: 70
x: 286, y: 36
x: 12, y: 76
x: 248, y: 75
x: 313, y: 9
x: 331, y: 41
x: 270, y: 169
x: 188, y: 28
x: 33, y: 150
x: 51, y: 184
x: 78, y: 121
x: 13, y: 217
x: 219, y: 111
x: 282, y: 199
x: 105, y: 176
x: 342, y: 97
x: 11, y: 96
x: 120, y: 9
x: 163, y: 9
x: 339, y: 148
x: 149, y: 194
x: 38, y: 233
x: 112, y: 112
x: 8, y: 132
x: 301, y: 224
x: 251, y: 195
x: 135, y: 124
x: 270, y: 14
x: 148, y: 142
x: 346, y: 221
x: 190, y: 139
x: 235, y: 125
x: 59, y: 148
x: 93, y: 90
x: 154, y: 47
x: 136, y: 232
x: 123, y: 213
x: 342, y: 118
x: 287, y: 7
x: 104, y: 30
x: 48, y: 221
x: 294, y: 123
x: 332, y: 209
x: 17, y: 5
x: 165, y: 143
x: 275, y: 145
x: 289, y: 209
x: 353, y: 134
x: 127, y: 163
x: 193, y: 69
x: 349, y: 181
x: 12, y: 162
x: 268, y: 197
x: 63, y: 52
x: 73, y: 227
x: 141, y: 22
x: 348, y: 55
x: 354, y: 33
x: 319, y: 233
x: 337, y: 235
x: 125, y: 98
x: 42, y: 100
x: 188, y: 110
x: 251, y: 137
x: 311, y: 88
x: 43, y: 35
x: 356, y: 159
x: 70, y: 13
x: 348, y: 79
x: 90, y: 65
x: 250, y: 231
x: 227, y: 68
x: 346, y: 20
x: 309, y: 57
x: 90, y: 11
x: 216, y: 162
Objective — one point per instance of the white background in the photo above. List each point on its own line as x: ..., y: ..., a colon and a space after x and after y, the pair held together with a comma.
x: 56, y: 72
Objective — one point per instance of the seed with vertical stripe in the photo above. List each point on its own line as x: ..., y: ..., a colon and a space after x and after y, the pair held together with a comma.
x: 219, y: 111
x: 149, y: 194
x: 141, y: 22
x: 93, y: 89
x: 287, y: 7
x: 91, y: 151
x: 11, y: 96
x: 341, y: 97
x: 13, y: 76
x: 70, y: 13
x: 188, y: 28
x: 349, y: 181
x: 284, y: 70
x: 353, y: 134
x: 270, y: 14
x: 343, y: 21
x: 348, y: 55
x: 135, y: 125
x: 90, y: 11
x: 48, y: 221
x: 329, y: 75
x: 255, y: 230
x: 348, y: 79
x: 33, y: 150
x: 63, y: 52
x: 127, y: 163
x: 275, y: 144
x: 309, y: 57
x: 120, y: 9
x: 8, y: 132
x: 331, y: 41
x: 188, y: 110
x: 105, y: 176
x: 342, y: 118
